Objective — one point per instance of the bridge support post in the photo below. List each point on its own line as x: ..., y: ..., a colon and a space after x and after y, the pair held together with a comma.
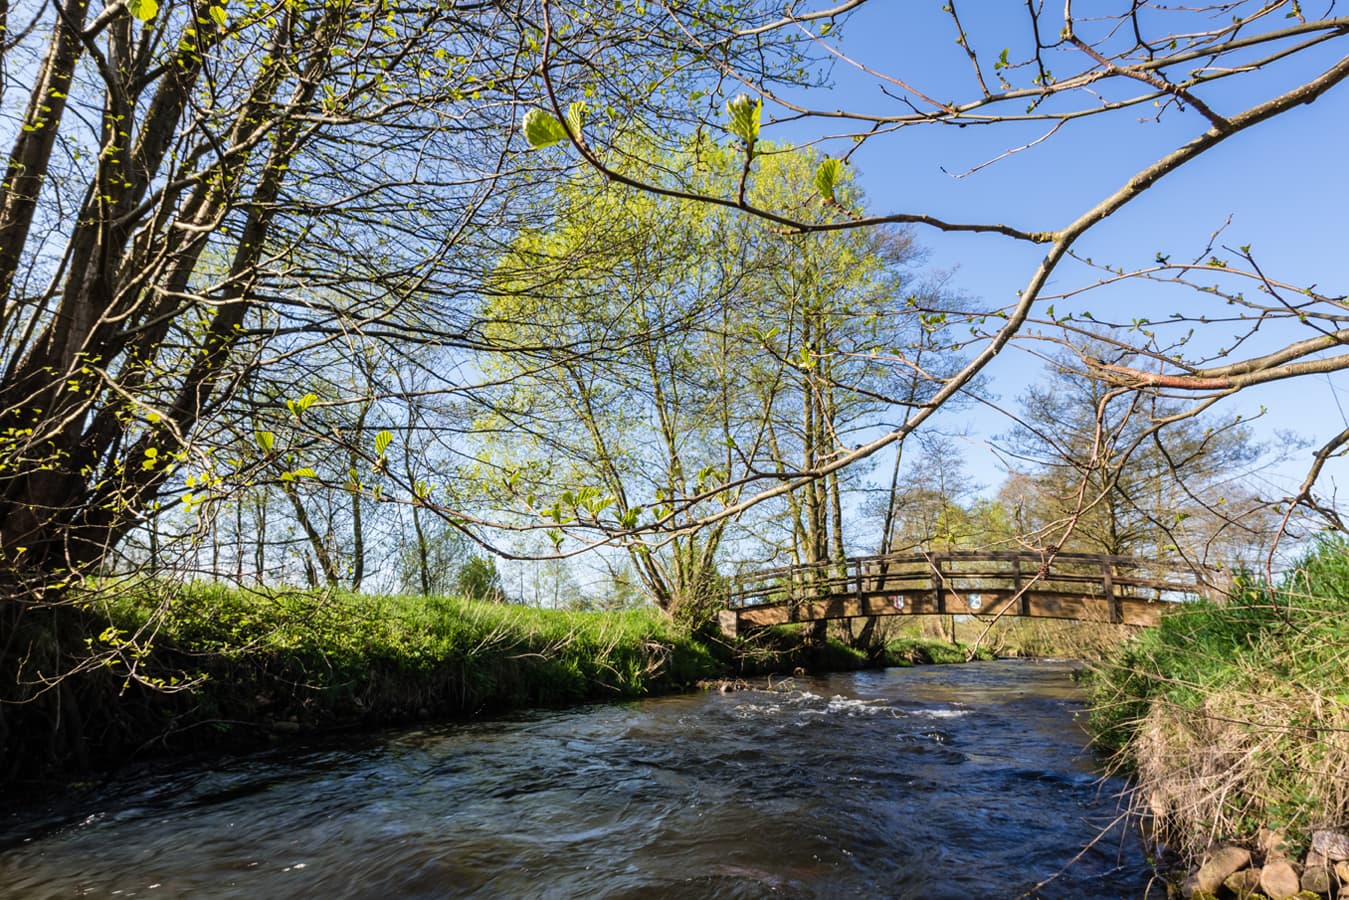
x: 728, y: 620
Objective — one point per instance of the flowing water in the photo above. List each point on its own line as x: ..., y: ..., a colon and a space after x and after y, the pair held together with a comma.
x: 942, y: 781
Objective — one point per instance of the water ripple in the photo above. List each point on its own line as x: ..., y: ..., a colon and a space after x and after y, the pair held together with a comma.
x: 956, y: 781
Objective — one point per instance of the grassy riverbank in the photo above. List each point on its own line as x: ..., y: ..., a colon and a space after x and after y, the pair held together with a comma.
x: 1236, y: 717
x: 154, y: 667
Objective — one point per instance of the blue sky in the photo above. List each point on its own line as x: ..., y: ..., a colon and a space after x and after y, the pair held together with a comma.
x: 1283, y: 185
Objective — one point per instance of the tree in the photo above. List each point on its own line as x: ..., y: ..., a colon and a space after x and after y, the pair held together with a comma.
x: 1103, y: 470
x: 1217, y: 70
x: 198, y: 194
x: 478, y: 579
x: 671, y: 355
x: 936, y: 506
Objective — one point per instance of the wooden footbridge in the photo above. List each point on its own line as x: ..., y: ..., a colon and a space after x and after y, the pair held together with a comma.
x: 1079, y: 586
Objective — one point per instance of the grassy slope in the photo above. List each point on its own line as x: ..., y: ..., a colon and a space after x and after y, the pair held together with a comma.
x: 183, y: 667
x: 349, y: 654
x: 1235, y: 717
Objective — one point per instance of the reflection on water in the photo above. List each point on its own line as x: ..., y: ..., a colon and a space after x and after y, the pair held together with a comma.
x: 951, y: 781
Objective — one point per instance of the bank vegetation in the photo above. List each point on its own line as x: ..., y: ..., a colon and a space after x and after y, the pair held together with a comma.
x: 1234, y: 717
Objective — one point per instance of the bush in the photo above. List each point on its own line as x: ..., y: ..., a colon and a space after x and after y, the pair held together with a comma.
x: 1236, y: 716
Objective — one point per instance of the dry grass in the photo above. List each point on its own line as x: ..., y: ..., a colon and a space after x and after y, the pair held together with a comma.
x: 1236, y: 717
x: 1242, y: 760
x: 1053, y: 638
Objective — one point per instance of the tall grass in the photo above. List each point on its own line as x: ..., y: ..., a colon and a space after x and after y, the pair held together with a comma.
x: 429, y: 653
x: 1235, y: 717
x: 153, y: 666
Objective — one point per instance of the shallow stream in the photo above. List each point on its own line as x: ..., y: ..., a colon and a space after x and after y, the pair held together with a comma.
x: 941, y: 781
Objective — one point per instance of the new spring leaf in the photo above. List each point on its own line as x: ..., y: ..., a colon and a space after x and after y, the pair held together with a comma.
x: 144, y: 10
x: 298, y: 407
x: 826, y: 178
x: 542, y: 129
x: 382, y: 441
x: 745, y: 114
x: 576, y: 117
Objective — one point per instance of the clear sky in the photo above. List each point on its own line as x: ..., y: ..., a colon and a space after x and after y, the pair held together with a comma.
x: 1283, y: 185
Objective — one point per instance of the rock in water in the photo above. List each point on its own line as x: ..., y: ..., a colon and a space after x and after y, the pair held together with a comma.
x: 1279, y: 880
x: 1214, y: 872
x: 1331, y: 844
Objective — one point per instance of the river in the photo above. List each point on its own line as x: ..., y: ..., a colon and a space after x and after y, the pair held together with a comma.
x: 941, y: 781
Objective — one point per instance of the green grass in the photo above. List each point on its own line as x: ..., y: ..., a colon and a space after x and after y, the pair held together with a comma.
x: 350, y: 653
x: 908, y: 651
x: 153, y: 666
x: 158, y: 666
x: 1236, y: 716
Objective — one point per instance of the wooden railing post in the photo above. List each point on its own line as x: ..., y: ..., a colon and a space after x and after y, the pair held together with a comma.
x: 1108, y: 588
x: 1024, y: 602
x: 938, y: 584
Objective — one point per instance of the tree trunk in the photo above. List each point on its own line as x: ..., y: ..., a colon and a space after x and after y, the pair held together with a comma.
x: 316, y: 541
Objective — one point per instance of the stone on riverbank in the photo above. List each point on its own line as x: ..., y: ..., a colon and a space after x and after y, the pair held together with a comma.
x: 1318, y: 880
x: 1220, y: 866
x: 1278, y: 879
x: 1272, y: 844
x: 1331, y: 844
x: 1244, y: 883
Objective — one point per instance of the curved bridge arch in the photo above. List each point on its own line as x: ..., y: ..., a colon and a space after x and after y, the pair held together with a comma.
x: 1079, y: 586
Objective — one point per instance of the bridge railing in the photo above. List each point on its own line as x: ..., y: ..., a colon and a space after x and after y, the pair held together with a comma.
x: 960, y: 573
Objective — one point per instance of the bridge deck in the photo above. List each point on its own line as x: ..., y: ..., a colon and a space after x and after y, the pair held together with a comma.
x: 1083, y: 587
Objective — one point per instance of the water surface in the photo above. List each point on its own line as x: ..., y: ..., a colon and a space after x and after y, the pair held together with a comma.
x: 941, y: 781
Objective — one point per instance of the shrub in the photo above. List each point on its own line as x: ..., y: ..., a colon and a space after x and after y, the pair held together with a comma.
x: 1236, y: 716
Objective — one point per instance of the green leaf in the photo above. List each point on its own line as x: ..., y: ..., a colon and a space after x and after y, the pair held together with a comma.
x: 218, y: 15
x: 382, y: 441
x: 144, y: 10
x: 266, y: 440
x: 826, y: 178
x: 596, y: 504
x: 576, y: 115
x: 305, y: 472
x: 542, y: 129
x: 745, y: 114
x: 297, y: 407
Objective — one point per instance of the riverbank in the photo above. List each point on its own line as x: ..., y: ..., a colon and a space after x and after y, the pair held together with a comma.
x: 1233, y: 720
x: 161, y: 668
